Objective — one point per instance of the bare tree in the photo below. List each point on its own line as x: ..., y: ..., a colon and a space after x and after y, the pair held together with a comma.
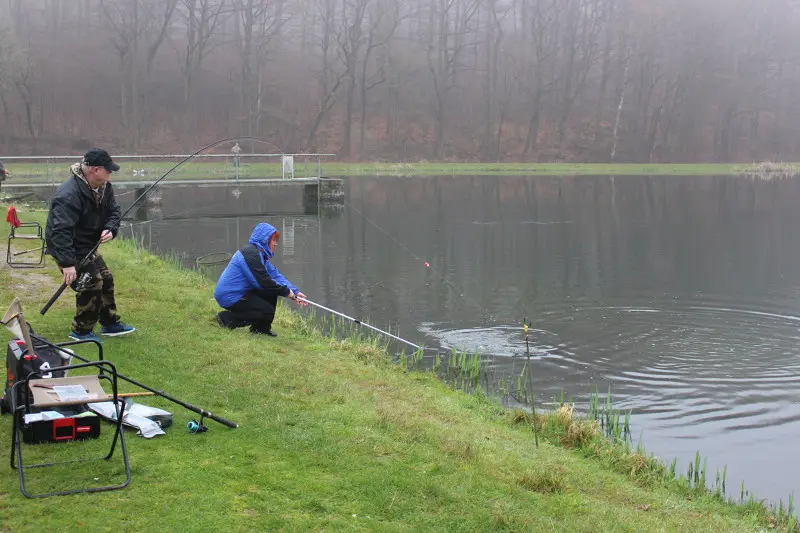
x: 160, y: 13
x: 258, y: 24
x: 539, y: 46
x: 331, y: 76
x: 467, y: 79
x: 579, y: 53
x: 26, y: 82
x: 450, y: 31
x: 202, y: 20
x: 497, y: 75
x: 132, y: 26
x: 383, y: 23
x: 124, y: 30
x: 609, y: 14
x: 11, y: 59
x: 351, y: 38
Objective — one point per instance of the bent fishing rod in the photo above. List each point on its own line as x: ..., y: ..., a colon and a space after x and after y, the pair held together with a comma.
x: 395, y: 337
x: 83, y: 261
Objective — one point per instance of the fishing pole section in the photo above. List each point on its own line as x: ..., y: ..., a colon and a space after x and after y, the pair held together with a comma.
x: 361, y: 323
x: 83, y: 261
x: 14, y: 320
x: 199, y: 410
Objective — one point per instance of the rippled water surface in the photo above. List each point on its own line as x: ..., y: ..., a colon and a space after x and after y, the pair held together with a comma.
x: 680, y: 293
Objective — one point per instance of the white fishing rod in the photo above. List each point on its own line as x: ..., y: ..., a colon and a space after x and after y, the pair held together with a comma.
x: 395, y: 337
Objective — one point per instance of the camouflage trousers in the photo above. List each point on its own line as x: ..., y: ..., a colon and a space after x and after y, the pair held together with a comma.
x: 94, y: 300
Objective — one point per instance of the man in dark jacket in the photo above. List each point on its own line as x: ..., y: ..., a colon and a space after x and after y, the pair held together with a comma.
x: 249, y: 286
x: 83, y: 212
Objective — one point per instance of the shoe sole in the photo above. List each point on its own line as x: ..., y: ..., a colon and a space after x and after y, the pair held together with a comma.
x: 121, y: 334
x: 77, y: 339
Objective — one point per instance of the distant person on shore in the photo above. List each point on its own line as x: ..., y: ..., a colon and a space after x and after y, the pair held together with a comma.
x: 84, y: 211
x: 249, y: 287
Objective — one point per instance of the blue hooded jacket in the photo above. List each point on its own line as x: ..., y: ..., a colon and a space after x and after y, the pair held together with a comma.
x: 250, y: 270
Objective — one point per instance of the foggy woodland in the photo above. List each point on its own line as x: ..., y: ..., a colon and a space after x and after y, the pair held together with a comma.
x: 406, y: 80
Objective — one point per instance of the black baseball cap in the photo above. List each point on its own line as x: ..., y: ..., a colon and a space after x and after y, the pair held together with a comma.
x: 97, y: 157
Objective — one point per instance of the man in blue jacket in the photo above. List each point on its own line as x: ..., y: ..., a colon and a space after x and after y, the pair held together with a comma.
x: 249, y: 287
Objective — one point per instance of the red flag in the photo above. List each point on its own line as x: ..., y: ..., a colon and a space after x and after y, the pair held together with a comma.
x: 12, y: 217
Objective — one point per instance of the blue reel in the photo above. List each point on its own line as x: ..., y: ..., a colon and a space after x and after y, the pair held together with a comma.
x: 196, y: 427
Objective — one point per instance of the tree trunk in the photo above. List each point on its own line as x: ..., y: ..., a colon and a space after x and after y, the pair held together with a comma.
x: 391, y: 117
x: 348, y: 113
x: 245, y: 97
x: 187, y: 108
x: 606, y: 65
x: 619, y: 109
x: 532, y: 139
x: 7, y: 119
x: 123, y: 91
x: 135, y: 119
x: 24, y: 92
x: 362, y: 115
x: 439, y: 146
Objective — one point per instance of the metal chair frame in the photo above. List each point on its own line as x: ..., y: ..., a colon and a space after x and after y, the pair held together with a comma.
x: 21, y: 389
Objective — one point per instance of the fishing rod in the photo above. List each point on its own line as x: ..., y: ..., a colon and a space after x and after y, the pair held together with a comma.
x: 28, y: 251
x: 395, y: 337
x: 200, y: 411
x: 83, y: 261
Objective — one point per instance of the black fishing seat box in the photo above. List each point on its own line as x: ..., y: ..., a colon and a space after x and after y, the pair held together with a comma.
x: 75, y: 425
x: 47, y: 405
x: 76, y: 422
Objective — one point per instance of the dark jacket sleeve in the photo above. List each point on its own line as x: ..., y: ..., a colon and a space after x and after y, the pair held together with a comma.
x: 253, y: 259
x: 115, y: 216
x: 64, y: 216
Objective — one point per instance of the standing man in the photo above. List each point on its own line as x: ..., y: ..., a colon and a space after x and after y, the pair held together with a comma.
x: 236, y: 149
x: 83, y: 212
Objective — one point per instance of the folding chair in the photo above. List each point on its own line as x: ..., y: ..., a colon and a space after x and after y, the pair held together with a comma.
x: 25, y: 232
x: 37, y: 394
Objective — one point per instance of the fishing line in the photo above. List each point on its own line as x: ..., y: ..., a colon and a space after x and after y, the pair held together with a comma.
x: 173, y: 216
x: 426, y: 264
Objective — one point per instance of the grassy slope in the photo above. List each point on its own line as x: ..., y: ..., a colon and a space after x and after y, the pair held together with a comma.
x: 332, y: 437
x: 217, y: 168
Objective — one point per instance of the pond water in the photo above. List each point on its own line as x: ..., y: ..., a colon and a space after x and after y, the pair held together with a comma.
x: 680, y: 293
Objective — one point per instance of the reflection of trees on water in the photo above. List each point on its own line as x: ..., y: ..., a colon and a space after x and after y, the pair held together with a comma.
x: 511, y: 241
x: 224, y: 201
x: 188, y: 239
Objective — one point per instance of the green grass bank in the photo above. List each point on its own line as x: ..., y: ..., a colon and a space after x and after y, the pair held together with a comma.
x: 333, y: 436
x: 220, y: 167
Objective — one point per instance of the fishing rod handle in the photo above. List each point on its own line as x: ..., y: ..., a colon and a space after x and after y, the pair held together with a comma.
x: 53, y: 298
x: 63, y: 286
